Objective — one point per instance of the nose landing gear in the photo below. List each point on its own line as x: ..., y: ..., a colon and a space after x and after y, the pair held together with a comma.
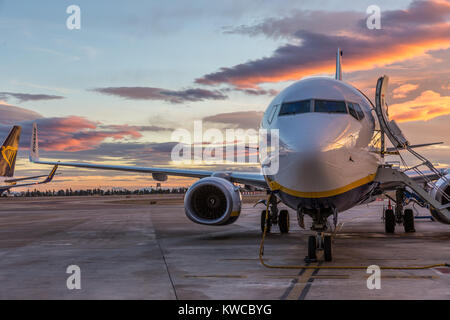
x: 321, y: 241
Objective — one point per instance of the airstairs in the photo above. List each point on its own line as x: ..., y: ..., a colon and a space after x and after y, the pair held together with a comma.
x: 435, y: 180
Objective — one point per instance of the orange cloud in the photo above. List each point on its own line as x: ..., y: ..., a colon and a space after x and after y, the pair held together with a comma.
x: 406, y: 34
x: 401, y: 91
x: 427, y: 106
x: 241, y: 77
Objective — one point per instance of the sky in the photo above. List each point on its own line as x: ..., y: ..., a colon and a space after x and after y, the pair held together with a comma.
x: 114, y: 90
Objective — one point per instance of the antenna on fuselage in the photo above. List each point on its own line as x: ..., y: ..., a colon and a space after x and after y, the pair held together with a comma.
x: 338, y: 65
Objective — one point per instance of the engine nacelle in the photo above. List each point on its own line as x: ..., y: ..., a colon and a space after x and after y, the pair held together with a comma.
x: 213, y: 201
x: 442, y: 187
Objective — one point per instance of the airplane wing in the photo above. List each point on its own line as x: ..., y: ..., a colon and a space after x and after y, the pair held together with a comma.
x: 159, y: 174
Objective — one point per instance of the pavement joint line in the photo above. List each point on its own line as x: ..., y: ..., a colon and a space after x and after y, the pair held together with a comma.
x: 164, y: 259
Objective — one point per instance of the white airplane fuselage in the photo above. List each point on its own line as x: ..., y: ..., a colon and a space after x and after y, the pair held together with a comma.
x: 326, y: 160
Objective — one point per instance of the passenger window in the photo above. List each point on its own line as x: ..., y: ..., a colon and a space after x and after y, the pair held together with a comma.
x: 330, y: 106
x: 295, y: 107
x: 359, y: 111
x: 272, y: 113
x: 352, y: 111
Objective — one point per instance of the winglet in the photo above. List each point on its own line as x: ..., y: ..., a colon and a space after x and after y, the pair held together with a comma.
x: 51, y: 175
x: 338, y: 75
x: 34, y: 146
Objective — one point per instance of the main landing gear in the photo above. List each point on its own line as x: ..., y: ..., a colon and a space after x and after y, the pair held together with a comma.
x: 275, y: 217
x: 399, y: 216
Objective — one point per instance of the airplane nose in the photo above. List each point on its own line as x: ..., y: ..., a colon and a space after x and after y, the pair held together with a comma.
x: 312, y: 152
x: 315, y: 133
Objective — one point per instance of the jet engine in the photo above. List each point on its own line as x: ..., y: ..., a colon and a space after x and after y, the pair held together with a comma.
x: 213, y: 201
x: 442, y: 187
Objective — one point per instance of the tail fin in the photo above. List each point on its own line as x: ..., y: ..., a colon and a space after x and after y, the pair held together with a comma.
x: 34, y: 146
x: 339, y: 64
x: 9, y: 152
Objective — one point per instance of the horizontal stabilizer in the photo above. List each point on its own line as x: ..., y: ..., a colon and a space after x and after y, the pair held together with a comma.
x: 14, y: 185
x: 25, y: 178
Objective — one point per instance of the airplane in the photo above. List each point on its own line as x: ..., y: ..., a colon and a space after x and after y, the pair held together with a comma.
x: 8, y: 163
x: 331, y: 158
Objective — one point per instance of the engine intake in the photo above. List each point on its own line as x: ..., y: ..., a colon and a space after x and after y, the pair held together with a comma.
x: 213, y: 201
x: 442, y: 187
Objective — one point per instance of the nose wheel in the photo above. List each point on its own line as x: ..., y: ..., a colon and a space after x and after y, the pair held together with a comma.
x: 312, y: 249
x: 319, y: 242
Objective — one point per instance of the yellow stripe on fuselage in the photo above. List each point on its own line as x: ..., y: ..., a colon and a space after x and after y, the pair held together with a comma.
x: 321, y: 194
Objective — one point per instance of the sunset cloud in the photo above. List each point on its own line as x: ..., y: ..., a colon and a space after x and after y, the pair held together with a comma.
x: 427, y: 106
x: 243, y: 120
x: 406, y: 34
x: 72, y: 133
x: 171, y: 96
x: 401, y: 91
x: 10, y: 115
x: 24, y: 97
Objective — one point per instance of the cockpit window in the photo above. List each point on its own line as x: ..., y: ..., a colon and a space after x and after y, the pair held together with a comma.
x: 295, y: 107
x: 330, y: 106
x: 272, y: 113
x: 359, y: 111
x: 352, y: 111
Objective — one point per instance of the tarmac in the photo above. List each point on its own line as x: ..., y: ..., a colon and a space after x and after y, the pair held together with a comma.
x: 144, y: 247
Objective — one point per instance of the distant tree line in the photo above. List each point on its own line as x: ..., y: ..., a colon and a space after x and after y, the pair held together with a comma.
x: 98, y: 192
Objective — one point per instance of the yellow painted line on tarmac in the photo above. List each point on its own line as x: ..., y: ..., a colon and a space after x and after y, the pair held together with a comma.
x: 409, y: 277
x: 228, y: 276
x: 331, y: 277
x: 300, y: 284
x: 241, y: 259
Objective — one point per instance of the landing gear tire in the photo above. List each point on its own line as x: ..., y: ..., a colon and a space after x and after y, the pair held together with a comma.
x: 283, y: 221
x: 408, y: 221
x: 400, y: 197
x: 389, y: 221
x: 263, y: 222
x: 327, y: 248
x: 312, y: 247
